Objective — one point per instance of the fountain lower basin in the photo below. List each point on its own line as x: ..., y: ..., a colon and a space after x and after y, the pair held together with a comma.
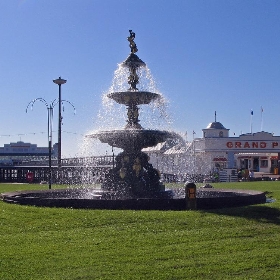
x: 80, y: 198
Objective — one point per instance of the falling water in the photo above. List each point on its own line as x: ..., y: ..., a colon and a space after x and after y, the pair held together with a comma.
x: 113, y: 115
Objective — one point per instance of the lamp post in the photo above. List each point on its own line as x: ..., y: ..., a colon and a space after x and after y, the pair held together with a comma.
x: 50, y: 122
x: 113, y: 157
x: 50, y: 118
x: 59, y: 82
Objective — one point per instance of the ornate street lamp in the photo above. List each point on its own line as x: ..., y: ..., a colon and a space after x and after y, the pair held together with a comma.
x: 59, y: 82
x: 50, y: 118
x: 50, y: 122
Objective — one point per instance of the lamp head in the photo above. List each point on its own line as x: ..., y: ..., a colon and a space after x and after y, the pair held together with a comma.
x: 59, y: 81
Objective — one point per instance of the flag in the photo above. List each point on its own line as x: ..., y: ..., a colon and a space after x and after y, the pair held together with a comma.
x: 252, y: 113
x: 193, y: 132
x: 261, y: 109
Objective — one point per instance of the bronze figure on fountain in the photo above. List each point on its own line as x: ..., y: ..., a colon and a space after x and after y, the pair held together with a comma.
x: 132, y: 44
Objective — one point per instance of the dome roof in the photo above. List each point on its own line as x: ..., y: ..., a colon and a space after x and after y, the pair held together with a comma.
x: 215, y: 125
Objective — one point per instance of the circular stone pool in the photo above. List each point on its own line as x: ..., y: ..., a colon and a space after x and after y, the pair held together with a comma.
x: 95, y: 199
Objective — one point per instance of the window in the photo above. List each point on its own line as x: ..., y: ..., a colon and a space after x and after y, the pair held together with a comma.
x: 221, y: 134
x: 274, y: 163
x: 264, y: 163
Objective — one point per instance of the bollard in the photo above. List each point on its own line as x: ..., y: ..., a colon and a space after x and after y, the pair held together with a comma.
x: 190, y: 190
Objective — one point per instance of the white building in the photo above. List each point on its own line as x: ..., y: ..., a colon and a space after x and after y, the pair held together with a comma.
x: 21, y: 151
x: 216, y: 150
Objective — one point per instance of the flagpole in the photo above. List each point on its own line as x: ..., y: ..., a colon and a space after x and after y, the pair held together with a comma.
x: 261, y: 118
x: 194, y: 161
x: 252, y: 113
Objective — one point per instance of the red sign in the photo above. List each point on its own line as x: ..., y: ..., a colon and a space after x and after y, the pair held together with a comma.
x: 29, y: 177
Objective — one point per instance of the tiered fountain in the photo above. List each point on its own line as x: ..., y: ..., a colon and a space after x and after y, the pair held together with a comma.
x: 133, y: 175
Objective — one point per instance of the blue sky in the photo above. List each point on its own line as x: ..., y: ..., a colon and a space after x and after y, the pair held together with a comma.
x: 205, y: 55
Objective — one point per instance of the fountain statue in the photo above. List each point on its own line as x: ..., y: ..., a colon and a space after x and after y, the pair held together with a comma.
x: 133, y: 175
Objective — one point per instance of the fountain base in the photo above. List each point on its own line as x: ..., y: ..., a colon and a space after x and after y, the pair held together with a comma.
x: 97, y: 199
x: 133, y: 176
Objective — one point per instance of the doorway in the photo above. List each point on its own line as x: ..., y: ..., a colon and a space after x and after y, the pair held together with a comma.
x: 256, y: 165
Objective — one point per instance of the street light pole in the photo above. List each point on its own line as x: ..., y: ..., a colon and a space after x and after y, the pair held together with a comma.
x: 113, y: 157
x: 50, y: 120
x: 59, y: 82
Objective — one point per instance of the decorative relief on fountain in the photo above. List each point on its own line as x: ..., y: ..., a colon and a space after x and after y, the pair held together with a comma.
x: 137, y: 166
x: 133, y: 114
x: 133, y: 79
x: 122, y: 172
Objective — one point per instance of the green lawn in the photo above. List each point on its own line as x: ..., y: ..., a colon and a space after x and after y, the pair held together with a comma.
x: 53, y: 243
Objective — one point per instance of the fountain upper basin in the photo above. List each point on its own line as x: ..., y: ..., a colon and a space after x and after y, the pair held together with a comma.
x: 133, y: 61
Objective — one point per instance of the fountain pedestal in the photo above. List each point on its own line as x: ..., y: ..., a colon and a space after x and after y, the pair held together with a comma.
x: 133, y: 176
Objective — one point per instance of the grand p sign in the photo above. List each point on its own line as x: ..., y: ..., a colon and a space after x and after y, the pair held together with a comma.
x: 252, y: 145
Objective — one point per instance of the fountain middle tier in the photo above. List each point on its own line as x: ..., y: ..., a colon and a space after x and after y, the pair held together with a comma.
x: 132, y: 139
x: 133, y: 97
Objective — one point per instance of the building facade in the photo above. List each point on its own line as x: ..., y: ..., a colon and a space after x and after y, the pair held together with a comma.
x: 216, y: 150
x: 19, y: 152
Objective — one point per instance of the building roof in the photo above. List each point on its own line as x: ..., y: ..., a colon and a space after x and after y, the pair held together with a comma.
x: 179, y: 149
x: 215, y: 125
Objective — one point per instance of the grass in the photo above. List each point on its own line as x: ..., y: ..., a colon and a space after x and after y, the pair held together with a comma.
x: 52, y: 243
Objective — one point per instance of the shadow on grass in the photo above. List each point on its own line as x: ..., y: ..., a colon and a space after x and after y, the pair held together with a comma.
x: 260, y: 213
